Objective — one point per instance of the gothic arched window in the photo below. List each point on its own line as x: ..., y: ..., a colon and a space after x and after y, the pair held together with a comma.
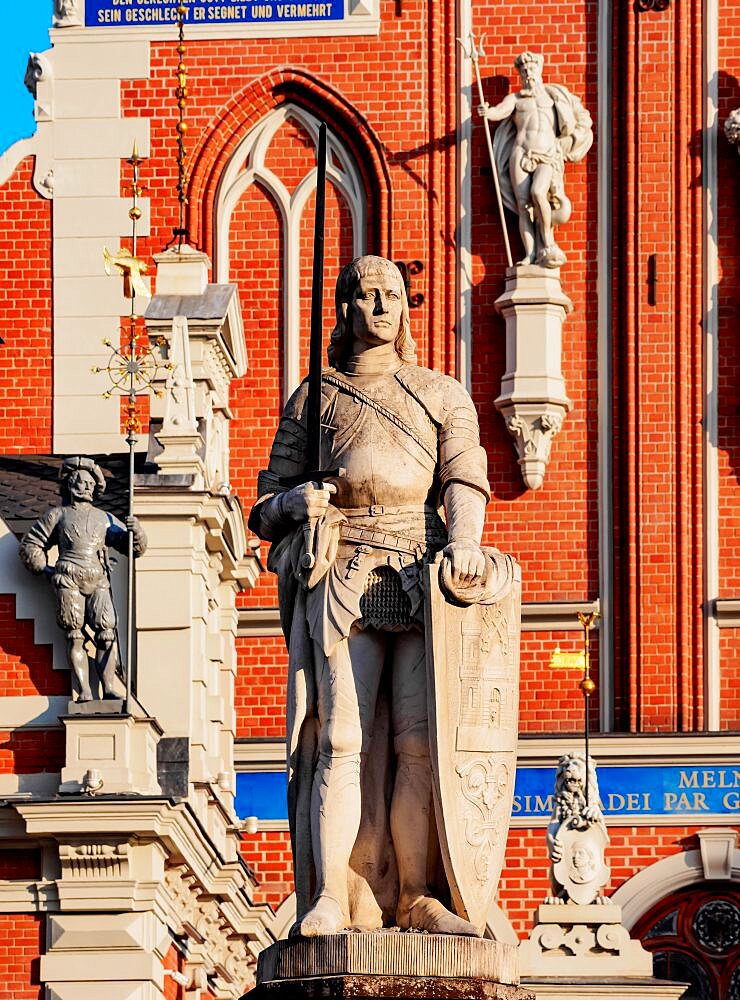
x: 269, y: 189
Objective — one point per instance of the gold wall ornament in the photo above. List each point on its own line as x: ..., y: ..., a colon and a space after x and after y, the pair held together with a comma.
x: 561, y: 660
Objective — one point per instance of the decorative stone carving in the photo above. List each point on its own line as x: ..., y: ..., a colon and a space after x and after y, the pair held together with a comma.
x: 94, y: 860
x: 366, y: 544
x: 68, y: 14
x: 533, y: 399
x: 583, y: 935
x: 181, y: 443
x: 473, y: 674
x: 385, y: 953
x: 732, y: 128
x: 544, y: 127
x: 121, y: 748
x: 198, y: 326
x: 38, y: 69
x: 584, y: 941
x: 717, y: 847
x: 576, y: 835
x: 183, y: 891
x: 39, y: 81
x: 81, y: 575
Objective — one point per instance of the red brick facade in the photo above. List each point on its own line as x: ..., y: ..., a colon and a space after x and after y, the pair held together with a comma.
x: 391, y: 102
x: 21, y: 946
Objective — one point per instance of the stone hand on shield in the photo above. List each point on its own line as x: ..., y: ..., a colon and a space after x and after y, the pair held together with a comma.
x: 544, y: 127
x: 360, y: 783
x: 81, y: 577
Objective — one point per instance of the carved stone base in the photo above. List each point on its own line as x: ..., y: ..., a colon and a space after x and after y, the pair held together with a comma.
x: 98, y: 706
x: 389, y: 953
x: 533, y: 400
x: 389, y: 964
x: 366, y: 987
x: 119, y: 749
x: 572, y: 940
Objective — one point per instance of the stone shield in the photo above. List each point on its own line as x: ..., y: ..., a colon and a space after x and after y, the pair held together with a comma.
x: 473, y: 684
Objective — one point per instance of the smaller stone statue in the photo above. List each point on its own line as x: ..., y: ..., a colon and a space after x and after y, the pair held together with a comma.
x: 68, y: 14
x: 81, y: 575
x: 576, y: 836
x: 544, y: 127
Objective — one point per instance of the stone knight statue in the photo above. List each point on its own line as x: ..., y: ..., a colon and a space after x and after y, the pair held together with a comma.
x: 405, y: 443
x: 81, y: 576
x: 544, y: 127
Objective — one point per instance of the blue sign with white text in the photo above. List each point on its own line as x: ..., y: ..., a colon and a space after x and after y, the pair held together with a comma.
x: 684, y: 792
x: 99, y: 13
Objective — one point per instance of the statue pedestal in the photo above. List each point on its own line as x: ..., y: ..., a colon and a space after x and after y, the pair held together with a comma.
x: 533, y: 400
x: 583, y: 952
x: 119, y: 749
x: 389, y: 964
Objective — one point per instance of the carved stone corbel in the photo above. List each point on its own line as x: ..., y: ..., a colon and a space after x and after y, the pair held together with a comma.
x: 39, y: 81
x: 533, y: 400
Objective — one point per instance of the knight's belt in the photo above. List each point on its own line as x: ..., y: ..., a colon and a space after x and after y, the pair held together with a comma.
x: 378, y: 538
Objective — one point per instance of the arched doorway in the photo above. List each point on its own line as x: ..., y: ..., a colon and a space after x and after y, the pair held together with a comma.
x: 694, y: 935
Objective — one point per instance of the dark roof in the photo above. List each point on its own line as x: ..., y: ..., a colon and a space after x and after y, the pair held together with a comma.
x: 29, y: 486
x: 213, y: 304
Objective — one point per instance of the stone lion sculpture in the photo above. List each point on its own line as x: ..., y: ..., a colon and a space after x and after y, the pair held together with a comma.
x: 576, y: 835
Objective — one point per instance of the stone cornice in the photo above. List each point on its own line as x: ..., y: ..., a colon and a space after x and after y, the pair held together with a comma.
x: 728, y: 612
x: 222, y: 516
x: 543, y: 751
x: 537, y: 616
x: 123, y: 827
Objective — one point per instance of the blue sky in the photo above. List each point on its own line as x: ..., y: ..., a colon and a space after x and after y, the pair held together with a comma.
x: 25, y: 28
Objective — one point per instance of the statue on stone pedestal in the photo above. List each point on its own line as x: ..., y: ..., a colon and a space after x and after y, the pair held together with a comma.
x: 544, y: 127
x: 81, y: 575
x: 576, y: 836
x: 354, y: 555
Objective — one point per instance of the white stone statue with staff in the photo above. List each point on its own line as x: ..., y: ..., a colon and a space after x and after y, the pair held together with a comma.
x: 543, y: 127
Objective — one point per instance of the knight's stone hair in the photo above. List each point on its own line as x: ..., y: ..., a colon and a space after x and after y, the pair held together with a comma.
x: 348, y: 281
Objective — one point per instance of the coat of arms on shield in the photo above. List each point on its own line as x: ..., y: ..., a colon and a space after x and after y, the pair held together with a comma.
x: 473, y: 683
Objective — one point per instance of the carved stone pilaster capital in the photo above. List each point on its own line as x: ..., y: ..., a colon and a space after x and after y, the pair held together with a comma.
x: 86, y: 860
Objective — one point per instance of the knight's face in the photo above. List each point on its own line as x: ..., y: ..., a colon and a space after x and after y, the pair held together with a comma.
x: 81, y: 486
x: 375, y: 310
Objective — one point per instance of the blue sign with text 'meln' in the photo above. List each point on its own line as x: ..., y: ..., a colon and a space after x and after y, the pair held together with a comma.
x: 684, y: 793
x: 151, y: 13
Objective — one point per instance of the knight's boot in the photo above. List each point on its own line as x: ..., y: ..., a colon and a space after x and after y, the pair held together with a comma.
x: 80, y: 666
x: 106, y: 661
x: 335, y: 819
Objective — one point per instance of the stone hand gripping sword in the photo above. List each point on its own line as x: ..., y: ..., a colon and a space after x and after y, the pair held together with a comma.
x: 314, y: 473
x: 474, y: 51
